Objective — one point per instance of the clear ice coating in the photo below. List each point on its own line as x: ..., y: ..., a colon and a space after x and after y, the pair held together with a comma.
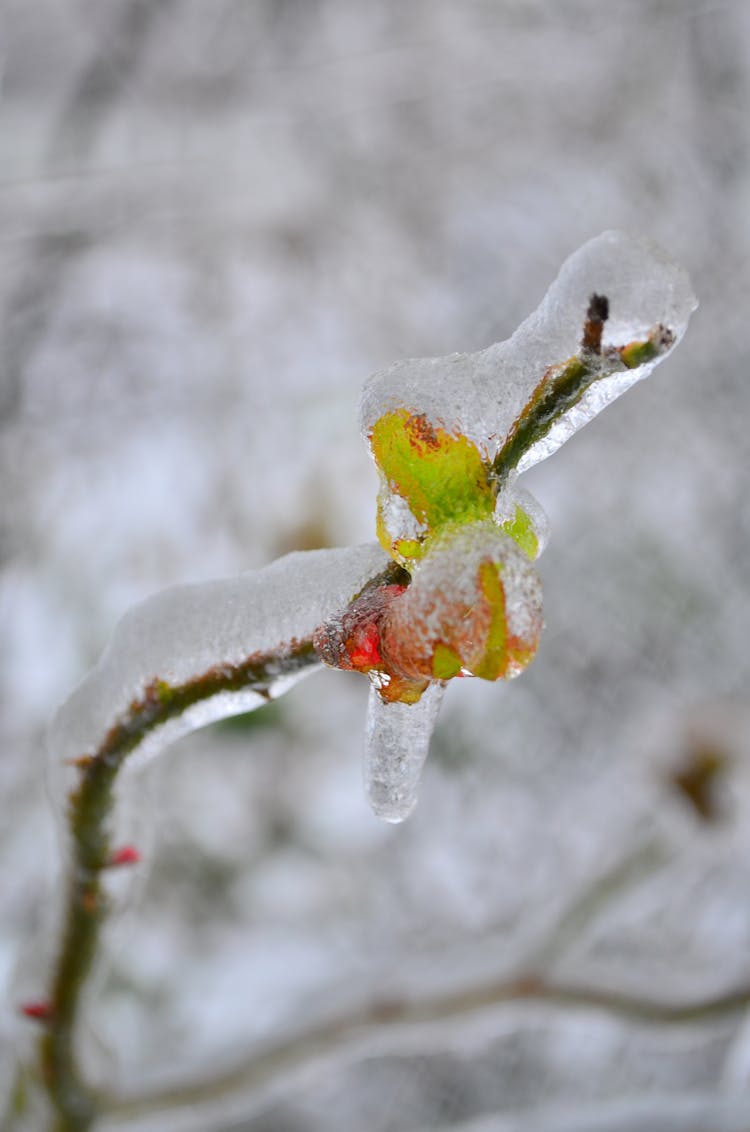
x: 474, y: 604
x: 186, y: 630
x: 505, y: 511
x: 426, y: 409
x: 480, y: 395
x: 397, y: 738
x: 474, y: 607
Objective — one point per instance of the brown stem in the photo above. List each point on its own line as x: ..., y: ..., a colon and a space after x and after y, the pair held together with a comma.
x: 324, y: 1040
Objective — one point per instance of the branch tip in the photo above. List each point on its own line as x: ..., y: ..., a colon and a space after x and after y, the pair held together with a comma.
x: 596, y: 315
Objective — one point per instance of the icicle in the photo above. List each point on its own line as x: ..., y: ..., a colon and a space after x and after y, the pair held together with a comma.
x: 397, y: 738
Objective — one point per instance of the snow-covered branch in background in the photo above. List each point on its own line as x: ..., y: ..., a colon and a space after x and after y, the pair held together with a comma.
x: 451, y: 591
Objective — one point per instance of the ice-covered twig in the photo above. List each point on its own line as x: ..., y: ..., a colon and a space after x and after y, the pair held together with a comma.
x: 565, y: 386
x: 480, y: 395
x: 191, y: 655
x: 178, y: 636
x: 448, y: 433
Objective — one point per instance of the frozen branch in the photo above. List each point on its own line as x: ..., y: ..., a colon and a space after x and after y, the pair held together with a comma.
x: 453, y: 592
x: 171, y: 635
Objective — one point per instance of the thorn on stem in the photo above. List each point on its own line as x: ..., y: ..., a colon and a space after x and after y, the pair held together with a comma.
x: 700, y: 779
x: 38, y: 1011
x: 127, y: 855
x: 82, y: 762
x: 596, y: 316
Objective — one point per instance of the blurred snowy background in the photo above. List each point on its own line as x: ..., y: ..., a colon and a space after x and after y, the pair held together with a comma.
x: 216, y: 221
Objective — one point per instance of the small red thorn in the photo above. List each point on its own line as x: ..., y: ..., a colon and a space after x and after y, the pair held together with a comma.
x: 128, y: 855
x: 39, y: 1011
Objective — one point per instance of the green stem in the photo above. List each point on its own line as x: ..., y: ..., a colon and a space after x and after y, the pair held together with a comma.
x: 74, y: 1102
